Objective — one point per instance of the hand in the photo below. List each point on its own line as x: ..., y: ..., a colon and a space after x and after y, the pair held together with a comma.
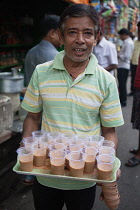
x: 118, y: 174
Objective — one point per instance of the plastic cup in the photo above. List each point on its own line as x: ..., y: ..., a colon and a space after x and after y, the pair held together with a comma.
x: 43, y: 143
x: 107, y: 143
x: 106, y: 150
x: 39, y: 156
x: 51, y: 136
x: 57, y: 160
x: 74, y: 147
x: 81, y: 139
x: 56, y: 146
x: 61, y: 140
x: 38, y: 134
x: 105, y: 164
x: 76, y: 162
x: 95, y: 140
x: 90, y: 160
x: 29, y: 141
x: 25, y: 157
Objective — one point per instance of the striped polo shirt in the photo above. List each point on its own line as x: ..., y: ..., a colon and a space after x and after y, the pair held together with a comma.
x: 77, y: 106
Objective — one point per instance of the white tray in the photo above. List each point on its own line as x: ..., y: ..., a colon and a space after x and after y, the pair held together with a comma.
x: 45, y: 171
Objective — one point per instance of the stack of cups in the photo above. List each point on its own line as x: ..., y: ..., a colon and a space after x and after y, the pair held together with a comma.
x: 105, y: 162
x: 111, y: 195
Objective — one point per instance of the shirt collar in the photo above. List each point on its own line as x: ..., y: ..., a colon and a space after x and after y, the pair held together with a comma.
x: 102, y: 42
x: 58, y: 63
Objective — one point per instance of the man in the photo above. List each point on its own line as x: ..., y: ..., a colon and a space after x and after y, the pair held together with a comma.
x: 106, y: 54
x: 74, y: 94
x: 124, y: 57
x: 134, y: 60
x: 46, y: 49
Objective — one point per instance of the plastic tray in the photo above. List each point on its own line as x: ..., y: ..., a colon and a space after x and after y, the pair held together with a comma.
x: 45, y: 171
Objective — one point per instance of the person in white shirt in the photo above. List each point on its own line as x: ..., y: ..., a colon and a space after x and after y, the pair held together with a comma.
x: 124, y: 57
x: 106, y: 54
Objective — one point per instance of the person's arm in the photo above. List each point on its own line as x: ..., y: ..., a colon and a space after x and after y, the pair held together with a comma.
x: 31, y: 123
x: 111, y: 67
x: 109, y: 133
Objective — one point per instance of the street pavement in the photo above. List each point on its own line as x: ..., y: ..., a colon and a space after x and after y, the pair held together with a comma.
x: 20, y: 197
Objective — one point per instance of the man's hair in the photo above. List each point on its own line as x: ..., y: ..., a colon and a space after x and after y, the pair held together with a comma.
x: 138, y: 24
x: 124, y: 31
x: 80, y: 10
x: 49, y: 22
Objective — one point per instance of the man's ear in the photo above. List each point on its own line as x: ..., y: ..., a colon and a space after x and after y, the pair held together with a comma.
x: 61, y: 37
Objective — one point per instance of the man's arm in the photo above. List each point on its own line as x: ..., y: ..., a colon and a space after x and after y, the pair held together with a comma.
x: 31, y: 123
x: 109, y: 133
x: 111, y: 67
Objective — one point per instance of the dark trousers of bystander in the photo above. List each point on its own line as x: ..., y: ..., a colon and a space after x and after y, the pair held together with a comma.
x: 54, y: 199
x: 133, y: 73
x: 122, y: 75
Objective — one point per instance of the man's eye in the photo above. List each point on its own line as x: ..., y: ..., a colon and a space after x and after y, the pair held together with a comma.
x: 88, y: 33
x: 72, y: 32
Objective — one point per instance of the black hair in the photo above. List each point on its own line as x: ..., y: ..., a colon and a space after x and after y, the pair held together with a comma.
x: 80, y: 10
x: 49, y: 22
x: 124, y: 31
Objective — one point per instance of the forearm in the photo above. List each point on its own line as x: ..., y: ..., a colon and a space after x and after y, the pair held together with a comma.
x: 111, y: 67
x: 110, y: 134
x: 31, y: 123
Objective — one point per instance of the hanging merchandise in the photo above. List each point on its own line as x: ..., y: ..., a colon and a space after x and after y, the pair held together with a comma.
x: 133, y: 19
x: 109, y: 9
x: 122, y: 21
x: 78, y: 1
x: 96, y: 4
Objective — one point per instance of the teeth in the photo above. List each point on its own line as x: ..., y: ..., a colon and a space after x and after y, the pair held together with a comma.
x: 78, y: 50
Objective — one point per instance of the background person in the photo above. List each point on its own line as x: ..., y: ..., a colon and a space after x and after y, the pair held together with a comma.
x: 46, y: 49
x: 106, y: 54
x: 75, y: 88
x: 124, y: 57
x: 135, y: 118
x: 134, y: 60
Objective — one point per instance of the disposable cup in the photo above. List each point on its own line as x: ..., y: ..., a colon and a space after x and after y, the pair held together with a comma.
x: 57, y: 160
x: 105, y: 165
x: 51, y: 136
x: 106, y: 150
x: 38, y: 134
x: 28, y: 141
x: 39, y: 156
x: 107, y: 143
x: 90, y: 160
x: 95, y: 140
x: 25, y: 157
x: 61, y: 140
x: 76, y: 162
x: 43, y: 143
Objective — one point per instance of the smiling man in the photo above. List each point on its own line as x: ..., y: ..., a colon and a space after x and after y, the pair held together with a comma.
x: 74, y: 94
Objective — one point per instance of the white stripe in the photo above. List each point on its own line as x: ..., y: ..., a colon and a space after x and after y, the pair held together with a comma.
x: 110, y: 116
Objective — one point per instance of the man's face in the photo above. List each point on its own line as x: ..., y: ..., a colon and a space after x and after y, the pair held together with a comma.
x: 122, y: 37
x: 78, y: 38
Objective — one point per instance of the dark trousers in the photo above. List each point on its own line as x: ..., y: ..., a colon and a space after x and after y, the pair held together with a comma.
x: 133, y: 73
x: 122, y: 80
x: 47, y: 198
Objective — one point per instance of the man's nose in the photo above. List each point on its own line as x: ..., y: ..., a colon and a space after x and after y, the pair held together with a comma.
x: 80, y: 38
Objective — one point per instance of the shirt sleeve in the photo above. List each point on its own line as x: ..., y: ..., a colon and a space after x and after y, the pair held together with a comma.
x: 112, y: 55
x: 110, y: 111
x: 32, y: 101
x: 126, y: 52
